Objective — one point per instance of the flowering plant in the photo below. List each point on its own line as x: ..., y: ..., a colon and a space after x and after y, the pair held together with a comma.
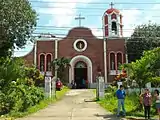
x: 121, y: 76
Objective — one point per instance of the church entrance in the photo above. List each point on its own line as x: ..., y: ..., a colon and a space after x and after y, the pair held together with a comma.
x: 80, y: 75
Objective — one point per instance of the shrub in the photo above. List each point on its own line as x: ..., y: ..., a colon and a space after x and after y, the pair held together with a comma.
x: 17, y: 89
x: 111, y: 89
x: 34, y: 76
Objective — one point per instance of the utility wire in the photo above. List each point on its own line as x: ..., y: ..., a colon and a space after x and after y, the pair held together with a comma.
x: 120, y: 3
x: 56, y: 7
x: 87, y: 15
x: 80, y: 29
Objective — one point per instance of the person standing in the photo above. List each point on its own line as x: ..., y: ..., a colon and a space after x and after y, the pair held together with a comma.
x: 146, y: 100
x: 120, y: 93
x: 86, y: 83
x: 83, y: 83
x: 73, y: 84
x: 157, y: 96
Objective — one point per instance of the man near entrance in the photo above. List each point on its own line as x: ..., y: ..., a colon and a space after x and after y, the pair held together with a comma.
x: 120, y: 93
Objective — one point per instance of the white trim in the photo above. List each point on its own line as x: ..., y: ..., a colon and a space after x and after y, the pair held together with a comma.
x: 114, y: 20
x: 80, y: 50
x: 110, y: 26
x: 35, y: 53
x: 89, y: 67
x: 47, y: 39
x: 104, y: 49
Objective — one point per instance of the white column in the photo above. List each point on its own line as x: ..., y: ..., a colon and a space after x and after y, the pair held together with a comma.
x: 118, y: 25
x: 126, y: 55
x: 35, y: 53
x: 56, y: 55
x: 104, y: 46
x: 109, y: 26
x: 105, y: 61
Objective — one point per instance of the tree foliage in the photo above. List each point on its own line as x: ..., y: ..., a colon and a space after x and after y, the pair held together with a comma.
x: 145, y: 37
x: 145, y: 69
x: 17, y: 21
x: 61, y: 64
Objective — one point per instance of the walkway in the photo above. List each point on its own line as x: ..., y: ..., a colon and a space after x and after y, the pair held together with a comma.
x: 76, y: 105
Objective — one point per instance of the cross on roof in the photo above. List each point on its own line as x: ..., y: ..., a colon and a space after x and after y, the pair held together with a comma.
x: 79, y: 18
x: 111, y: 4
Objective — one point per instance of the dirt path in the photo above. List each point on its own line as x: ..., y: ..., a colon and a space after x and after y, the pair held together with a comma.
x: 76, y: 105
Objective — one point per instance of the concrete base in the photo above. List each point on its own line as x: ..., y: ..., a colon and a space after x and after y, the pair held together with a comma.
x: 94, y: 85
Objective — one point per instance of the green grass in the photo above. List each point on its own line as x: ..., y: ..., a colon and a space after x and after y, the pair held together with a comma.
x: 131, y: 104
x: 43, y: 104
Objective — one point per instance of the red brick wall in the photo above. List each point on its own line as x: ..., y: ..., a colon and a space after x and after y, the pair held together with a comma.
x: 94, y: 49
x: 114, y: 45
x: 45, y: 47
x: 29, y: 58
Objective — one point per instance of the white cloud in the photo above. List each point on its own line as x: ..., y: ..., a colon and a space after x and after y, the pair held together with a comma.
x: 65, y: 11
x: 130, y: 20
x: 133, y: 17
x: 98, y: 33
x: 153, y: 15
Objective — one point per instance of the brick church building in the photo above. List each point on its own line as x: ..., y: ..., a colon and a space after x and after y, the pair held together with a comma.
x: 89, y: 55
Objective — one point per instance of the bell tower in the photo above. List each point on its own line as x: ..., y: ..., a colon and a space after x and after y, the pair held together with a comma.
x: 114, y: 43
x: 112, y: 23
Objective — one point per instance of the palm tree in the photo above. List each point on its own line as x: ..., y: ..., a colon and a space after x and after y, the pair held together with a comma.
x: 61, y: 64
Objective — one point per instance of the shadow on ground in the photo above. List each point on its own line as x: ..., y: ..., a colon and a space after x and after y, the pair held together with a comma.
x: 90, y: 100
x: 109, y: 117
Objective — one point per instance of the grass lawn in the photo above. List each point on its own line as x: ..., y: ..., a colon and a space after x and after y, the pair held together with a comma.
x: 132, y: 105
x: 43, y: 104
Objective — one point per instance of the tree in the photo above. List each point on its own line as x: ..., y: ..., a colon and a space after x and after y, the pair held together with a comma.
x: 145, y: 69
x: 17, y: 22
x: 61, y: 64
x: 145, y: 37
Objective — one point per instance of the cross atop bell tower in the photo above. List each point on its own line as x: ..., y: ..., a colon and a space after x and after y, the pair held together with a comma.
x: 111, y: 4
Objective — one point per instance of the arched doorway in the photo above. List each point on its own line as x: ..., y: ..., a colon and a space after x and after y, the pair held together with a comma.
x: 88, y: 62
x: 80, y: 74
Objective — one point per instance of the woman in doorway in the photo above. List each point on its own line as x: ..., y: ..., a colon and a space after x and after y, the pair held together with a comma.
x: 86, y: 83
x: 157, y: 96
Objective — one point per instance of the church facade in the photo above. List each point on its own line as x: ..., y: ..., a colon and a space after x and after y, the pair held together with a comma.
x: 89, y: 55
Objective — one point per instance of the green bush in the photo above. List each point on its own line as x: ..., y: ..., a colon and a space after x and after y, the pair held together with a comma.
x: 17, y: 88
x: 34, y: 76
x: 110, y: 89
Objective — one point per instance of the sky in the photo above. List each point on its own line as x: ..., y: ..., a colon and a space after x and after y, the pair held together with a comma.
x: 58, y: 16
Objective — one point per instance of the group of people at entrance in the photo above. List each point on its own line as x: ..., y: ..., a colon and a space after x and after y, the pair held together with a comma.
x: 145, y: 100
x: 79, y: 84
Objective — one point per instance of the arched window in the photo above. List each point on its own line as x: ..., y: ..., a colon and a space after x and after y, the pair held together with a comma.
x: 80, y: 64
x: 42, y: 62
x: 114, y: 27
x: 119, y: 60
x: 48, y: 63
x: 113, y: 16
x: 112, y: 61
